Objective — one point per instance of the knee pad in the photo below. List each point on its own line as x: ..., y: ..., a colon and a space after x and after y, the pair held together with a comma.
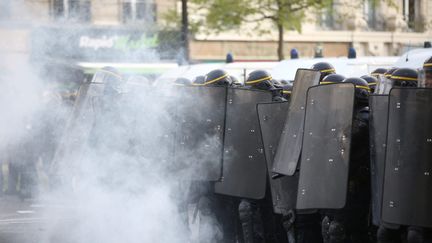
x: 336, y: 232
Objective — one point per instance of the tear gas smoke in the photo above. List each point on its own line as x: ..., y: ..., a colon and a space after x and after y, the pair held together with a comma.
x: 102, y: 172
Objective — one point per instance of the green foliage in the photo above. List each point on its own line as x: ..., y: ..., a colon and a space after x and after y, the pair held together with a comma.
x: 221, y: 15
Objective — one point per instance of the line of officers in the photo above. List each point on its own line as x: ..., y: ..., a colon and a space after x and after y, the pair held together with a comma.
x: 359, y: 219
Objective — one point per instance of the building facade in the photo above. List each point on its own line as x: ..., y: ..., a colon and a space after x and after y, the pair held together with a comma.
x: 107, y: 28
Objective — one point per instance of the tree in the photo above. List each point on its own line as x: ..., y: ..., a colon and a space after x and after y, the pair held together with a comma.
x: 185, y: 30
x: 222, y: 15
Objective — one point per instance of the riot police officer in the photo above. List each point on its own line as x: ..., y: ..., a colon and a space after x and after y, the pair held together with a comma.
x: 350, y: 224
x: 389, y: 233
x: 213, y: 206
x: 257, y: 217
x: 324, y: 68
x: 372, y: 82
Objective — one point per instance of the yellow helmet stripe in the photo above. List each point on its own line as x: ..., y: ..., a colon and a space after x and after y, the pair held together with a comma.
x: 327, y: 82
x: 286, y: 91
x: 403, y: 78
x: 427, y: 65
x: 372, y: 83
x: 215, y: 80
x: 259, y: 80
x: 363, y: 87
x: 327, y: 70
x: 376, y: 74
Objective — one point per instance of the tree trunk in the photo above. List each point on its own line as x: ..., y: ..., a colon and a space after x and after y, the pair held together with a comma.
x: 185, y: 31
x: 280, y: 49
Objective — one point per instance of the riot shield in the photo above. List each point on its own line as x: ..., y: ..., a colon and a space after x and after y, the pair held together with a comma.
x: 82, y: 120
x: 244, y: 169
x: 199, y: 132
x: 289, y: 147
x: 325, y: 155
x: 384, y: 85
x: 283, y: 189
x: 378, y: 135
x: 79, y: 126
x: 407, y: 189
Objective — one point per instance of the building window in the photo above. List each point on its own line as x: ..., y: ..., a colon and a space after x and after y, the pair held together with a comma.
x: 142, y: 11
x: 369, y: 13
x: 72, y: 10
x: 326, y: 18
x: 409, y: 12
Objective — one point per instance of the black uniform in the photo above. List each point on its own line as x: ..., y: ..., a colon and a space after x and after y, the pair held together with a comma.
x: 350, y: 224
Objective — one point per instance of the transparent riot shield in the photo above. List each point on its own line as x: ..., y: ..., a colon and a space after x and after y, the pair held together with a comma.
x: 78, y: 129
x: 199, y: 132
x: 283, y: 189
x: 378, y: 135
x: 244, y: 167
x: 83, y: 118
x: 325, y: 155
x: 384, y: 85
x: 289, y: 147
x: 407, y: 188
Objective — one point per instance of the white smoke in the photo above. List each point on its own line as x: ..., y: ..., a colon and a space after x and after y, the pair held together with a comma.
x: 117, y: 189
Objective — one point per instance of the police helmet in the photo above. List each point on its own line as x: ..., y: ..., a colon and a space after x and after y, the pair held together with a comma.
x: 260, y: 79
x: 371, y: 80
x: 404, y: 77
x: 198, y: 80
x: 352, y: 53
x: 324, y: 68
x: 426, y: 74
x: 217, y: 77
x: 332, y: 79
x: 294, y: 54
x: 378, y: 71
x: 389, y: 72
x: 427, y: 65
x: 362, y: 89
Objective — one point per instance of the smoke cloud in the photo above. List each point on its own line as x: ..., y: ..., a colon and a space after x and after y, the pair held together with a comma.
x: 95, y: 170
